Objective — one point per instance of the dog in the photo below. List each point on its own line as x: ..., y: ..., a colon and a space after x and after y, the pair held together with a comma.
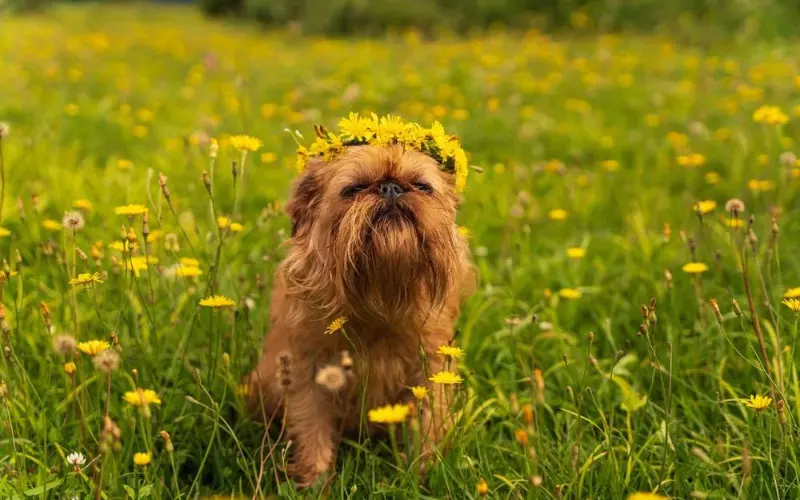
x: 373, y: 240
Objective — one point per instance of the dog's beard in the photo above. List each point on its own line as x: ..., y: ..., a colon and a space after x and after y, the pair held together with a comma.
x: 394, y: 261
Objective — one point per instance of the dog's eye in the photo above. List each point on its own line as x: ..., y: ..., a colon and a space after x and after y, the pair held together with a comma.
x: 424, y: 187
x: 351, y: 191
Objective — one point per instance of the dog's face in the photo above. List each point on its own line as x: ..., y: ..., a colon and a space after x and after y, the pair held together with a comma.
x: 377, y: 225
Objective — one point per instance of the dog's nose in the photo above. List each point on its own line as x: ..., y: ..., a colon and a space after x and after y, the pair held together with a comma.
x: 390, y: 190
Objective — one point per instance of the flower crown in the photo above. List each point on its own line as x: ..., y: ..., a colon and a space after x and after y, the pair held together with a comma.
x: 358, y: 130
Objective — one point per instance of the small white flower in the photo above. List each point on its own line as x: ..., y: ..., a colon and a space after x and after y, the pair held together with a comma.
x: 76, y: 458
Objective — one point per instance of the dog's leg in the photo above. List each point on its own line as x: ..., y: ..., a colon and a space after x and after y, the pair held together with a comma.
x: 313, y: 430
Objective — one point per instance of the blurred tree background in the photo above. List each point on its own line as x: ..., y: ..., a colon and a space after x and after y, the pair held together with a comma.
x: 340, y: 17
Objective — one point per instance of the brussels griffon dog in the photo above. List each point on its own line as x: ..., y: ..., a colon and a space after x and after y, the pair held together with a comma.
x: 374, y: 239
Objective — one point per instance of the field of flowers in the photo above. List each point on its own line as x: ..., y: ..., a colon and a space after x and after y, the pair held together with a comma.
x: 635, y: 227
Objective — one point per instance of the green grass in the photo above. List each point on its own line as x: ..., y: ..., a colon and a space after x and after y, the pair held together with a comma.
x: 85, y: 87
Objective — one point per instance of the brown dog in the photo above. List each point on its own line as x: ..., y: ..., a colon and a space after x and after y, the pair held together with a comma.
x: 374, y: 239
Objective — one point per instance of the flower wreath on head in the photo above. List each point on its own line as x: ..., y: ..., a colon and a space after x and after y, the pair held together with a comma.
x: 358, y: 130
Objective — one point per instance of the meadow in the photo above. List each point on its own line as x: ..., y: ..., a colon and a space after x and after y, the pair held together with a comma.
x: 634, y: 223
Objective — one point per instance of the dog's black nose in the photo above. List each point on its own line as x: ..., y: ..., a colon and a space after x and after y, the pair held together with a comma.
x: 390, y: 190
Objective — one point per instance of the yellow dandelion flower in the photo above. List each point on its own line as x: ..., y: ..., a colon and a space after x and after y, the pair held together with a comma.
x: 712, y: 177
x: 217, y: 302
x: 793, y: 304
x: 124, y: 165
x: 558, y: 214
x: 733, y: 222
x: 155, y: 236
x: 86, y: 279
x: 771, y: 115
x: 52, y: 225
x: 70, y: 367
x: 188, y: 272
x: 93, y: 347
x: 336, y: 325
x: 792, y: 293
x: 389, y: 414
x: 450, y: 351
x: 131, y: 210
x: 463, y: 231
x: 4, y: 232
x: 576, y: 253
x: 141, y: 397
x: 268, y: 158
x: 419, y: 392
x: 142, y: 459
x: 82, y: 204
x: 227, y: 223
x: 704, y: 207
x: 355, y: 127
x: 694, y: 268
x: 446, y: 377
x: 570, y: 293
x: 758, y: 185
x: 610, y: 165
x: 189, y: 262
x: 245, y: 143
x: 757, y: 403
x: 644, y: 495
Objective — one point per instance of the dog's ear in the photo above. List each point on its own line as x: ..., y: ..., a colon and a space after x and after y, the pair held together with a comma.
x: 304, y: 198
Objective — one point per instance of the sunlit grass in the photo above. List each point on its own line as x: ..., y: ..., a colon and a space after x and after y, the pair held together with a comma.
x: 627, y: 181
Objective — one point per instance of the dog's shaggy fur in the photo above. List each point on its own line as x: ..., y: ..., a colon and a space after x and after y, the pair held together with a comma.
x: 396, y: 268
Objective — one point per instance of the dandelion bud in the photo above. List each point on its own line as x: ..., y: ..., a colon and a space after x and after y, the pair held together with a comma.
x: 573, y: 457
x: 167, y: 442
x: 715, y: 306
x: 774, y: 226
x: 145, y: 226
x: 226, y: 360
x: 346, y: 362
x: 527, y: 413
x: 537, y: 376
x: 736, y: 308
x: 20, y: 208
x: 48, y: 322
x: 668, y: 278
x: 96, y: 253
x: 619, y: 354
x: 285, y: 370
x: 482, y: 487
x: 747, y: 466
x: 590, y: 337
x: 234, y: 170
x: 162, y: 181
x: 135, y: 374
x: 18, y: 258
x: 206, y: 180
x: 514, y: 403
x: 131, y: 235
x: 213, y: 148
x: 536, y: 481
x: 667, y: 231
x: 521, y: 435
x: 781, y: 406
x: 81, y: 254
x: 752, y: 239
